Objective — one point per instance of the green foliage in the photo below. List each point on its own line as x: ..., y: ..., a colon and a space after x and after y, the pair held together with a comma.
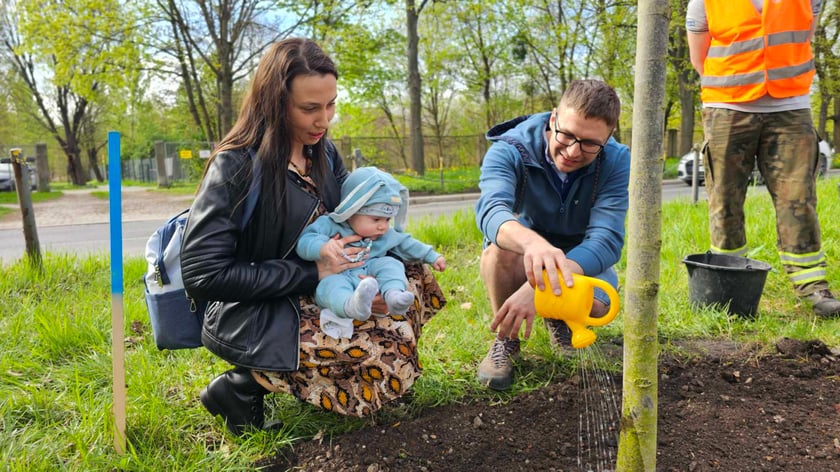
x: 90, y: 44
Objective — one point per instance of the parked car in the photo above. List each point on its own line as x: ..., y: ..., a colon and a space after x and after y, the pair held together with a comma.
x: 7, y: 174
x: 685, y: 168
x: 686, y: 164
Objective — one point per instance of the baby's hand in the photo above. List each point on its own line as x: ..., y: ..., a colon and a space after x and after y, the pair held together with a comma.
x: 440, y: 264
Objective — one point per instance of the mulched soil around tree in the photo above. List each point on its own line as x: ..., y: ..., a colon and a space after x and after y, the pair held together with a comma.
x: 732, y: 408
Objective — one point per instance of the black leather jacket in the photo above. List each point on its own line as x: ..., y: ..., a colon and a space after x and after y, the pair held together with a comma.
x: 253, y: 277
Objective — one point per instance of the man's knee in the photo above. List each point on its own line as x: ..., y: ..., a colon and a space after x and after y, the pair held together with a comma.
x: 599, y: 309
x: 497, y: 260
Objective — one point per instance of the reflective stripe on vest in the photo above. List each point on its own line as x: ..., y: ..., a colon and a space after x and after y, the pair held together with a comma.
x: 772, y: 50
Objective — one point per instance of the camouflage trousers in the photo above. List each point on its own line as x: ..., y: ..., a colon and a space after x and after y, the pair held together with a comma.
x: 784, y: 147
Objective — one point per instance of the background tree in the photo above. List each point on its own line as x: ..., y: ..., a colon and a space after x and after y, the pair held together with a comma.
x: 68, y: 55
x: 484, y: 40
x: 370, y: 56
x: 415, y: 120
x: 686, y: 78
x: 216, y: 43
x: 827, y: 61
x: 637, y: 444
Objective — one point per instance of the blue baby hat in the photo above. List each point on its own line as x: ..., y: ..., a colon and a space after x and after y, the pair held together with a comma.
x: 370, y: 191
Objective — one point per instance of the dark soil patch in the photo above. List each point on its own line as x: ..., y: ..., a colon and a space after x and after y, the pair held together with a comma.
x: 731, y: 409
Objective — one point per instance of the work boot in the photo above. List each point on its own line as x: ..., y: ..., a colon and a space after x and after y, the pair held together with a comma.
x: 238, y: 397
x: 560, y: 336
x: 824, y: 303
x: 496, y: 370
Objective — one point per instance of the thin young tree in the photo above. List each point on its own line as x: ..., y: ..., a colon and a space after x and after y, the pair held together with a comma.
x: 637, y: 445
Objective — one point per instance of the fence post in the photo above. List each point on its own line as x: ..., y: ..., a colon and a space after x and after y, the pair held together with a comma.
x: 345, y: 145
x: 357, y: 158
x: 695, y: 174
x: 43, y: 167
x: 160, y: 164
x: 24, y: 192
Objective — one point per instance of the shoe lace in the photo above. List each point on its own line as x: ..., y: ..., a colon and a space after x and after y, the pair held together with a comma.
x: 501, y: 352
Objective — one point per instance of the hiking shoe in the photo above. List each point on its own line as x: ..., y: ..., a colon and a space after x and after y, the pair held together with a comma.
x: 560, y: 335
x: 824, y: 303
x: 496, y: 370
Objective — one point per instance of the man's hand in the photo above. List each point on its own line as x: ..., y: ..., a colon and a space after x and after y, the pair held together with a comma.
x: 517, y: 308
x: 540, y: 255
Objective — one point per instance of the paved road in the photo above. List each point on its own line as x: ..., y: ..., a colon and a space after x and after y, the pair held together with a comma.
x: 92, y: 238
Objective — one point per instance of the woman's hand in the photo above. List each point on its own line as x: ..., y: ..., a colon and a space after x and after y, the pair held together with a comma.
x: 336, y: 256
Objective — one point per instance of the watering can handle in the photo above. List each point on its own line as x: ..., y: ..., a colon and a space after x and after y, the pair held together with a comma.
x: 611, y: 292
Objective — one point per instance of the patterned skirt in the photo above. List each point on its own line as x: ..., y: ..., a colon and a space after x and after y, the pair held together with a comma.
x: 355, y: 376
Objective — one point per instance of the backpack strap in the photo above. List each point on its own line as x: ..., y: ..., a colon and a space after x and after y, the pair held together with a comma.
x: 521, y: 182
x: 166, y: 233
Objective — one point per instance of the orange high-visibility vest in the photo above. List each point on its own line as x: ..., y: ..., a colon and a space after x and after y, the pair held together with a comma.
x: 752, y: 54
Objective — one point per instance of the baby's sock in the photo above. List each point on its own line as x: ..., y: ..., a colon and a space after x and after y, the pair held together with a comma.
x: 398, y: 301
x: 358, y: 306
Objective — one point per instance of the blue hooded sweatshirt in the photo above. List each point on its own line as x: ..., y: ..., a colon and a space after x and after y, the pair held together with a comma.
x: 588, y: 224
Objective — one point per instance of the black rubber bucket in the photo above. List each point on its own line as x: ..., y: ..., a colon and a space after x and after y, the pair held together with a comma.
x: 723, y: 280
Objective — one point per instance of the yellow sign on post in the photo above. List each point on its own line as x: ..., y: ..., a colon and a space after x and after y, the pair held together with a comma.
x: 185, y: 154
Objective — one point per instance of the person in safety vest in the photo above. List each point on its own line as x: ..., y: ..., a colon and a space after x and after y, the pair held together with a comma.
x: 756, y: 67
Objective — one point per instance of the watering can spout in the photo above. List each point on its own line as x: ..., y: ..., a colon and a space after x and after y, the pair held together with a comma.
x: 574, y: 306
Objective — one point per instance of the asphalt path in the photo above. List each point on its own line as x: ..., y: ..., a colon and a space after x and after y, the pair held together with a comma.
x: 90, y: 239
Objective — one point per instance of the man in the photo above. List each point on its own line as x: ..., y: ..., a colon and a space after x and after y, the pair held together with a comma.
x: 756, y: 69
x: 553, y: 197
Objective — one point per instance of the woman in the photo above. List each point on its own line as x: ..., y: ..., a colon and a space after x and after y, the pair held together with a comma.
x: 263, y: 319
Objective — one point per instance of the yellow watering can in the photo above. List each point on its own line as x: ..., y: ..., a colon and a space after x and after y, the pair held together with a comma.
x: 574, y: 306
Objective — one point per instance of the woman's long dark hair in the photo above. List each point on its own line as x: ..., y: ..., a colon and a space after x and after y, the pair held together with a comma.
x: 263, y: 122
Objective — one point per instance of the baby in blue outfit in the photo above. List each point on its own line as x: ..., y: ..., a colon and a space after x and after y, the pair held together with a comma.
x: 370, y: 199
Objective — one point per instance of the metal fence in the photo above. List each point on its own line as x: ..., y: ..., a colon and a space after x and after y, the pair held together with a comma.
x: 184, y: 161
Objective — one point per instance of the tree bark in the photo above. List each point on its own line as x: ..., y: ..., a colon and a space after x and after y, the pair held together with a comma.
x: 687, y: 94
x: 637, y: 445
x: 418, y: 163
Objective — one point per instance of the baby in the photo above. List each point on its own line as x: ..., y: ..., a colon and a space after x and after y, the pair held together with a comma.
x: 370, y: 199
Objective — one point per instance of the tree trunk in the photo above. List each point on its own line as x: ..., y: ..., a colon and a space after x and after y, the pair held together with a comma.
x: 822, y: 117
x: 94, y: 165
x: 686, y: 140
x: 75, y: 169
x: 836, y: 139
x: 415, y: 116
x: 637, y: 445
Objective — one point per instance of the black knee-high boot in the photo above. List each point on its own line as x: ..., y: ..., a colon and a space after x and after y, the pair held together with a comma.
x: 238, y: 397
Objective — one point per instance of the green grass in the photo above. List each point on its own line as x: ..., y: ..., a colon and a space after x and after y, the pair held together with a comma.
x: 55, y: 344
x: 453, y: 180
x: 9, y: 200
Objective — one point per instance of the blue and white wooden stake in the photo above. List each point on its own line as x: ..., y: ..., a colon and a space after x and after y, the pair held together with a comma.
x: 117, y: 318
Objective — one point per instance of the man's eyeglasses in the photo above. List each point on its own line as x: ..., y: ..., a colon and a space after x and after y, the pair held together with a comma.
x: 567, y: 140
